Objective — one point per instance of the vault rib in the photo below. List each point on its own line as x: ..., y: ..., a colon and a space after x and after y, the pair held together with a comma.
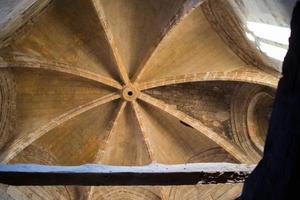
x: 90, y: 193
x: 109, y: 129
x: 143, y: 130
x: 109, y: 36
x: 196, y: 124
x: 27, y: 62
x: 186, y: 8
x: 242, y: 75
x: 21, y: 143
x: 163, y: 194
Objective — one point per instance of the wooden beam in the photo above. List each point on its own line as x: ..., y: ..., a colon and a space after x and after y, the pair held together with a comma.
x: 96, y: 175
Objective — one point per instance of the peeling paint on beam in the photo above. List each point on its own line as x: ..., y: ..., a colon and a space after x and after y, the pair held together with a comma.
x: 105, y: 175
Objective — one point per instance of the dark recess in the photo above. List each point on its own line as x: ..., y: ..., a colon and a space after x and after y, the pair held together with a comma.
x: 277, y: 175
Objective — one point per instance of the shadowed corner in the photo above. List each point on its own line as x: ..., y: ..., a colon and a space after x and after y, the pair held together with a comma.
x: 277, y: 174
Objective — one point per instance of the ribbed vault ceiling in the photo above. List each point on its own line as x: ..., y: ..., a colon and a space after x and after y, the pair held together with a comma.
x: 129, y: 83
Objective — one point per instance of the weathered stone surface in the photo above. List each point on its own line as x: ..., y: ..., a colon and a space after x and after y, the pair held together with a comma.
x: 71, y: 61
x: 221, y: 106
x: 7, y: 107
x: 14, y: 14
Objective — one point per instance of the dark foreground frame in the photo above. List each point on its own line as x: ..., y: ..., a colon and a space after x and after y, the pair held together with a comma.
x: 277, y: 174
x: 105, y: 175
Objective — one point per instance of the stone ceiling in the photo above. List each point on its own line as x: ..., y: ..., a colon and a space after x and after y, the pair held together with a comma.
x: 130, y: 83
